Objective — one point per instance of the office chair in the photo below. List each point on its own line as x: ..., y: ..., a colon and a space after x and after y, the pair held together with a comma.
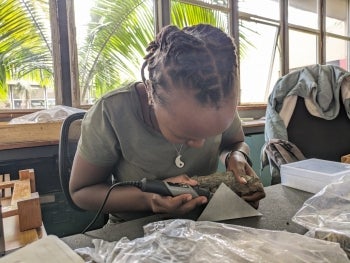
x: 70, y: 133
x: 81, y: 220
x: 323, y: 137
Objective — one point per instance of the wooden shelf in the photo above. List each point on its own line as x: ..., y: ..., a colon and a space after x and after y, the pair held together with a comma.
x: 20, y: 211
x: 14, y: 238
x: 29, y: 135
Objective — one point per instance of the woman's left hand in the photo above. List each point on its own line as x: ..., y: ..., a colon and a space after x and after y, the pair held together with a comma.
x: 249, y: 188
x: 239, y: 166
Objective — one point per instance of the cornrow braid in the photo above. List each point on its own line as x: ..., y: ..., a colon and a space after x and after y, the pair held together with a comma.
x: 152, y: 47
x: 200, y: 57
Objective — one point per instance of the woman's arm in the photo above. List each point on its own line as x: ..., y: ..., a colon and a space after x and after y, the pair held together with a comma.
x: 235, y: 156
x: 88, y: 187
x: 235, y: 152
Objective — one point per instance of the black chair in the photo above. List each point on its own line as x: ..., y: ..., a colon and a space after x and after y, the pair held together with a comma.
x: 315, y: 137
x: 70, y: 134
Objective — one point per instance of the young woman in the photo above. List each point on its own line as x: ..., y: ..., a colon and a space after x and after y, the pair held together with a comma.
x: 173, y: 125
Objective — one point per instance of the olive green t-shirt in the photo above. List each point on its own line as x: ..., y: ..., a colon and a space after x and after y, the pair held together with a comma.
x: 115, y: 134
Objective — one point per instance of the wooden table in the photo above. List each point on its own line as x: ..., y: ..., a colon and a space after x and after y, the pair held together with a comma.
x: 278, y: 207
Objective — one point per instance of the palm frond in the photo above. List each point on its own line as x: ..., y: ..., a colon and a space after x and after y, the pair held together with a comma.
x: 116, y: 42
x: 25, y: 47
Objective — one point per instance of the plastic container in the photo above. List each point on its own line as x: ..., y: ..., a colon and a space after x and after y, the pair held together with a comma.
x: 311, y: 175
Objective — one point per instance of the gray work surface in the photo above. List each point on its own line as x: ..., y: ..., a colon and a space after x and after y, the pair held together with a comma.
x: 278, y: 207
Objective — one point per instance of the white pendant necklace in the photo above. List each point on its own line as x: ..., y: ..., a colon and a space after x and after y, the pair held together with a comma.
x: 178, y: 162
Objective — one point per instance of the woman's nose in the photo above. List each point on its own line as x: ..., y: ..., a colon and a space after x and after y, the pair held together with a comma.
x: 196, y: 143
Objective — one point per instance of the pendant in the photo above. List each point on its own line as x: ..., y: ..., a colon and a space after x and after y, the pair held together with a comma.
x: 178, y: 162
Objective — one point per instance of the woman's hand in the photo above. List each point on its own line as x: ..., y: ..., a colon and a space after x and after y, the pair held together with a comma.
x: 240, y: 168
x: 178, y: 205
x: 238, y: 165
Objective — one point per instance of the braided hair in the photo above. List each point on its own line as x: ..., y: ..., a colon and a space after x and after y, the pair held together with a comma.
x: 200, y: 57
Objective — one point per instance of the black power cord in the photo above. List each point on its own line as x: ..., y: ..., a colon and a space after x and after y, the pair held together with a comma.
x: 137, y: 184
x: 156, y: 186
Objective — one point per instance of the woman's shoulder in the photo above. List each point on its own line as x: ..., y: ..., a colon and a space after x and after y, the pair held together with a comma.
x: 124, y: 90
x: 117, y: 102
x: 124, y: 96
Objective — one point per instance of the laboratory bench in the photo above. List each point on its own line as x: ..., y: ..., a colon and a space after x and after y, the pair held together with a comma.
x: 277, y: 209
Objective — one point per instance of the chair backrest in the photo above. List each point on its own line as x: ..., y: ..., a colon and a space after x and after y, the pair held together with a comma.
x: 317, y: 137
x: 70, y: 134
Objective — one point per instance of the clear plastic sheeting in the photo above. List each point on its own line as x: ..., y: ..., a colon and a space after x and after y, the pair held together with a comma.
x: 327, y: 214
x: 204, y: 241
x: 56, y: 113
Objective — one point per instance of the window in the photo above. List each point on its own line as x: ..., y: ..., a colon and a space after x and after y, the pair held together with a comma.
x: 215, y: 13
x: 337, y: 17
x: 300, y: 56
x: 26, y: 54
x: 310, y: 38
x: 303, y: 13
x: 337, y: 52
x: 111, y: 45
x: 259, y: 60
x: 259, y: 49
x: 260, y: 8
x: 111, y: 40
x: 303, y: 16
x: 111, y: 36
x: 337, y: 33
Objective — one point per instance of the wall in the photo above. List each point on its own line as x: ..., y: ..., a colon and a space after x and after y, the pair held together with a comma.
x: 255, y: 142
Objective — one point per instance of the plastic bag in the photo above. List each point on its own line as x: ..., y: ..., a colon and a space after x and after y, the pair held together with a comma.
x: 56, y: 113
x: 327, y: 214
x: 190, y: 241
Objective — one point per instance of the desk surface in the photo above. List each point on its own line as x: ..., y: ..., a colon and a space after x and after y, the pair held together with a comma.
x: 278, y: 207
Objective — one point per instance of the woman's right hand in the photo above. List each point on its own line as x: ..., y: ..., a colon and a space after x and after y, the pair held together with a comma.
x: 178, y: 205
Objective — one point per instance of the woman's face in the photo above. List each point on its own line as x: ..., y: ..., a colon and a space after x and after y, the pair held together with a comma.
x: 184, y: 120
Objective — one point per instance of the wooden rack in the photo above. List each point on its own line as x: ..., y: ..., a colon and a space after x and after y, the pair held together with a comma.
x: 21, y: 211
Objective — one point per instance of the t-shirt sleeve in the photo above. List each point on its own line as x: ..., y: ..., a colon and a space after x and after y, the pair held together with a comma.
x: 230, y: 132
x: 98, y: 143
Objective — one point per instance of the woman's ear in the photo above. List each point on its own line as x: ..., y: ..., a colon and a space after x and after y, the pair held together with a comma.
x: 149, y: 91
